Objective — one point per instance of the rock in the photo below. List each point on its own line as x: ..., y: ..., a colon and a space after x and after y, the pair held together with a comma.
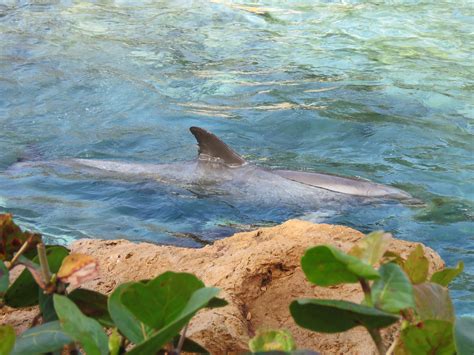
x: 259, y: 274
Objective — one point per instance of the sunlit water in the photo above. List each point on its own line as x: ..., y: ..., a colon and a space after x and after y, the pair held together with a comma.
x: 365, y: 89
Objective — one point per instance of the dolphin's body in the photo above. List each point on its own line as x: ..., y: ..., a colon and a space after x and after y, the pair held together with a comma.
x: 220, y: 170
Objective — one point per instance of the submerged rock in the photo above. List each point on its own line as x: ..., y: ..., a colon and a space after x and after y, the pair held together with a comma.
x: 259, y: 274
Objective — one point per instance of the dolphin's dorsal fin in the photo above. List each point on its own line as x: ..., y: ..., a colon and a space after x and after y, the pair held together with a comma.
x: 212, y: 148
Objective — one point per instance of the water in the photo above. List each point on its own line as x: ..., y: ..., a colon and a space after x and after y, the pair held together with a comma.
x: 381, y: 90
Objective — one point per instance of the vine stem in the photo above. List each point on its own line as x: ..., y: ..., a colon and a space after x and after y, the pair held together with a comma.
x: 45, y: 271
x: 391, y: 348
x: 181, y: 340
x: 367, y: 291
x: 375, y: 334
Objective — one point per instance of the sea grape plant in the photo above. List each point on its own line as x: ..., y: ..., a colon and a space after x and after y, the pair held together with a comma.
x: 144, y: 317
x: 151, y: 316
x: 400, y: 290
x: 266, y: 340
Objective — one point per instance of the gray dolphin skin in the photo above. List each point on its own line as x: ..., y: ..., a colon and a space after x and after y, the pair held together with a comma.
x: 220, y: 170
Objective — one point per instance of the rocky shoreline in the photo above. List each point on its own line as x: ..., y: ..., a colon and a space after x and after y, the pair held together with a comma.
x: 258, y: 272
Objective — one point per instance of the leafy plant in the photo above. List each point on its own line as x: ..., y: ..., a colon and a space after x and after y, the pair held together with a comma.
x: 399, y: 290
x: 151, y: 316
x: 146, y: 316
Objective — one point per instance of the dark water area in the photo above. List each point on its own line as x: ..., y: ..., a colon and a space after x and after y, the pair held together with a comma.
x: 355, y: 88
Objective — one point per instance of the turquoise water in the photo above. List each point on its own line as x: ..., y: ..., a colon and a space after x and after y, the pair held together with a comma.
x: 370, y: 89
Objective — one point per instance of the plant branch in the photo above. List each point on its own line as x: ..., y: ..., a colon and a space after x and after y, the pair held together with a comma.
x: 375, y: 334
x: 367, y: 291
x: 181, y: 340
x: 392, y: 347
x: 45, y: 271
x: 20, y: 252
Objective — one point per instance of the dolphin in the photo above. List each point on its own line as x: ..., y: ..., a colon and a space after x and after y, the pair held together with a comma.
x: 219, y: 170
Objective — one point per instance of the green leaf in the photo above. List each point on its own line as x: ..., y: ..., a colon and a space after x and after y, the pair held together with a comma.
x: 332, y: 316
x: 445, y: 276
x: 199, y: 299
x: 47, y: 307
x: 392, y: 257
x: 93, y: 304
x: 433, y: 302
x: 44, y: 338
x: 272, y: 340
x: 464, y: 335
x: 7, y: 338
x: 114, y: 342
x: 34, y: 269
x: 126, y: 322
x: 372, y: 247
x: 217, y: 302
x: 82, y: 329
x: 24, y: 291
x: 393, y: 292
x: 429, y: 337
x: 326, y: 265
x: 417, y: 265
x: 160, y: 300
x: 4, y: 278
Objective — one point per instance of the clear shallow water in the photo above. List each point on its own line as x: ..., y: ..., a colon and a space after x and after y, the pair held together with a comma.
x: 364, y: 89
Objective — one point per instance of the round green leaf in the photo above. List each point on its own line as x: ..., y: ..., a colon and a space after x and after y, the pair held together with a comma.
x: 92, y: 304
x: 87, y: 331
x: 126, y: 322
x: 372, y: 247
x: 326, y: 265
x: 47, y: 307
x: 160, y: 300
x: 7, y: 338
x: 45, y: 338
x: 417, y: 265
x: 429, y: 337
x: 198, y: 300
x: 445, y: 276
x: 331, y: 316
x: 433, y: 302
x: 393, y: 291
x: 464, y: 335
